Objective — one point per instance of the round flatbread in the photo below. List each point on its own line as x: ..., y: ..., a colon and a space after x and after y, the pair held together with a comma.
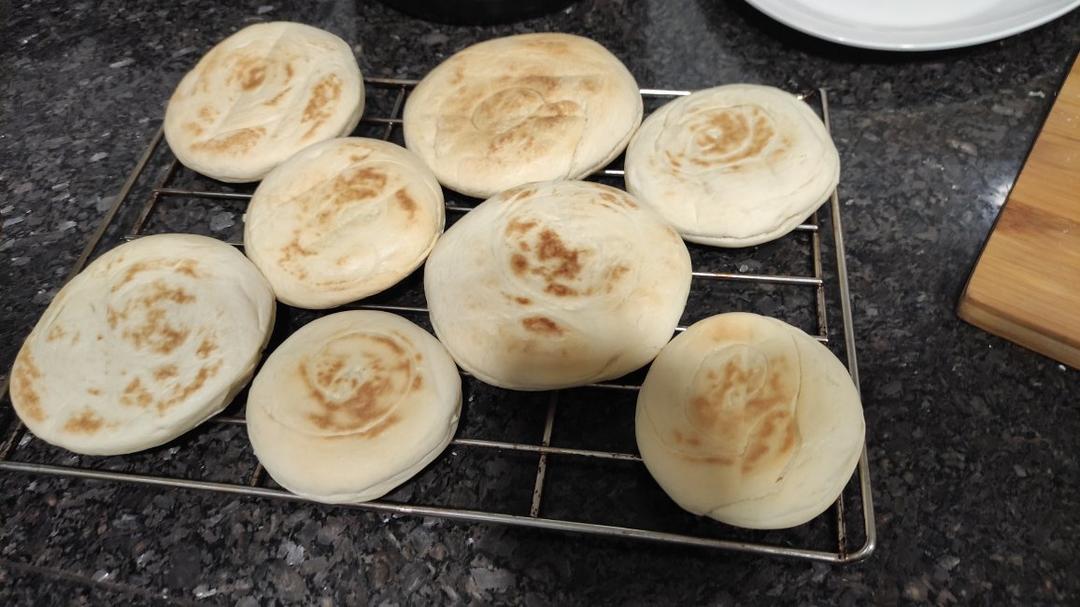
x: 260, y: 96
x: 146, y: 343
x: 556, y: 284
x: 733, y: 166
x: 525, y: 108
x: 750, y: 421
x: 342, y: 220
x: 352, y: 405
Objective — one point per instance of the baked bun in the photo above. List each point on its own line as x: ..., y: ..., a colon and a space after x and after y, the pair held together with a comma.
x: 342, y: 220
x: 519, y: 109
x: 750, y: 421
x: 556, y: 284
x: 260, y: 96
x: 733, y: 166
x: 146, y: 343
x: 352, y: 405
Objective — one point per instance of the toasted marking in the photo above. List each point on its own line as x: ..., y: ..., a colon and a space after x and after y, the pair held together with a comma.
x: 182, y: 392
x: 93, y: 391
x: 86, y: 422
x: 318, y: 108
x: 519, y: 227
x: 542, y: 325
x: 406, y: 202
x: 276, y: 98
x: 165, y: 372
x: 207, y: 347
x: 235, y: 143
x: 55, y: 333
x: 24, y: 378
x: 136, y: 395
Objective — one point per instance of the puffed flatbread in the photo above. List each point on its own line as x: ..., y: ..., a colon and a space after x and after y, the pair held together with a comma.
x: 352, y: 405
x: 556, y: 284
x: 147, y: 342
x: 260, y: 96
x: 749, y: 421
x: 733, y: 166
x: 342, y: 220
x: 514, y: 110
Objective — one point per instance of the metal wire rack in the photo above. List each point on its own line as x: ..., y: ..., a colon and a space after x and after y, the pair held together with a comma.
x: 142, y: 196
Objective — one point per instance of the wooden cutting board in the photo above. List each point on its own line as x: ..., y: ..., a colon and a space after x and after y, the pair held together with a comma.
x: 1025, y: 286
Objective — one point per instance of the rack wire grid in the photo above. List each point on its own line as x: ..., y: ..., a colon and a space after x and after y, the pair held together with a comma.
x: 563, y: 460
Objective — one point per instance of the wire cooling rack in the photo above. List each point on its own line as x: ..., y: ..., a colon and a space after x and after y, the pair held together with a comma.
x: 562, y: 460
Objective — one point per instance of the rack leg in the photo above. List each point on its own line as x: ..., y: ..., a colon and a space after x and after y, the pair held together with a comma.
x: 541, y: 466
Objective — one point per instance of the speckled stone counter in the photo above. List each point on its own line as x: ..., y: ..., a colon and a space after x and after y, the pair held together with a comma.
x: 974, y: 443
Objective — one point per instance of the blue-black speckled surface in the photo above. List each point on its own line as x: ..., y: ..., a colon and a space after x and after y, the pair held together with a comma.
x: 974, y: 442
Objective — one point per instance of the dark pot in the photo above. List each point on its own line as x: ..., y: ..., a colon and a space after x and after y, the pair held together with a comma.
x: 477, y: 12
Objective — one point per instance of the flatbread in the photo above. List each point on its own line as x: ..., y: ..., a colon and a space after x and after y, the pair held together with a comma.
x: 352, y: 405
x: 514, y: 110
x: 260, y: 96
x: 733, y: 166
x: 556, y: 284
x: 147, y: 342
x: 342, y: 220
x: 749, y: 421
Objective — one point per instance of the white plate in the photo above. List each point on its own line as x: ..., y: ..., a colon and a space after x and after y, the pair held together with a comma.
x: 913, y: 25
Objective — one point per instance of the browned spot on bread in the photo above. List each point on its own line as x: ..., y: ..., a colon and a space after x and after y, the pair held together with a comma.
x: 519, y: 227
x: 589, y: 84
x: 187, y: 267
x: 417, y: 382
x: 389, y: 343
x: 681, y: 439
x: 346, y: 398
x: 616, y: 198
x: 154, y: 332
x: 559, y: 290
x: 351, y: 186
x: 253, y: 77
x: 93, y: 391
x: 114, y: 316
x: 194, y: 128
x: 86, y: 422
x: 24, y: 378
x: 614, y: 275
x: 523, y: 300
x: 747, y: 395
x: 730, y: 135
x: 135, y: 395
x: 406, y: 202
x: 276, y: 98
x: 519, y: 264
x: 457, y: 76
x: 55, y: 333
x: 288, y: 71
x: 165, y: 372
x: 207, y: 113
x: 552, y: 248
x: 183, y: 391
x: 206, y: 347
x: 100, y: 336
x: 235, y: 143
x: 319, y: 107
x: 675, y: 160
x: 542, y: 325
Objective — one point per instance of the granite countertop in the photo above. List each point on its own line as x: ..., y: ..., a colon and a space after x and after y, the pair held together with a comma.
x: 973, y: 441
